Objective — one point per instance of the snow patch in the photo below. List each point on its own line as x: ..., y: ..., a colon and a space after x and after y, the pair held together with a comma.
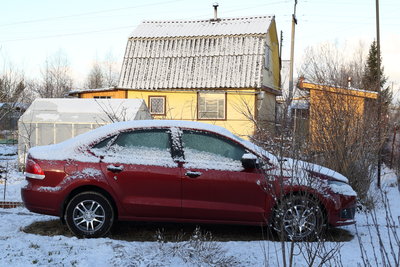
x: 87, y: 173
x: 91, y: 172
x: 49, y: 189
x: 138, y: 156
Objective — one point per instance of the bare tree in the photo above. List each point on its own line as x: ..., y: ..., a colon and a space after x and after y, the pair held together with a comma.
x: 343, y: 127
x: 55, y: 79
x: 103, y: 74
x: 12, y: 88
x: 280, y: 174
x: 29, y: 94
x: 383, y: 238
x: 95, y: 78
x: 12, y: 84
x: 327, y: 64
x: 344, y: 137
x: 110, y: 69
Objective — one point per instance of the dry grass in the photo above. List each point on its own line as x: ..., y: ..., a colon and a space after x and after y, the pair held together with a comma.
x: 142, y: 231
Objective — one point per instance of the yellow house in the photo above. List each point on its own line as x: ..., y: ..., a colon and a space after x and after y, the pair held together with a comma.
x: 336, y: 114
x: 219, y: 71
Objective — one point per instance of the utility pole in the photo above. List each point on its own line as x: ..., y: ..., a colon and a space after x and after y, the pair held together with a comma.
x: 378, y: 46
x: 294, y: 22
x: 280, y: 60
x: 290, y: 96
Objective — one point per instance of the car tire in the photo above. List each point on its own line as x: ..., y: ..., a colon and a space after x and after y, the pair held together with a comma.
x: 299, y: 218
x: 89, y: 215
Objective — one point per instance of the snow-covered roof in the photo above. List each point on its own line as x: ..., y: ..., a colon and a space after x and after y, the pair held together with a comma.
x: 70, y: 110
x: 191, y: 28
x: 228, y: 53
x: 303, y: 84
x: 80, y: 90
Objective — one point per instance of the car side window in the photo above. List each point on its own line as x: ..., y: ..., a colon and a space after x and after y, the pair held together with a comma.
x: 209, y: 151
x: 147, y: 147
x: 155, y: 139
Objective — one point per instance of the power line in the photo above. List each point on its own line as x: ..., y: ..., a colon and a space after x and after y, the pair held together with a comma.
x: 87, y: 13
x: 67, y: 34
x: 107, y: 30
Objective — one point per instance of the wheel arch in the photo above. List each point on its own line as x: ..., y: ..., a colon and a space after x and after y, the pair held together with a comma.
x: 88, y: 188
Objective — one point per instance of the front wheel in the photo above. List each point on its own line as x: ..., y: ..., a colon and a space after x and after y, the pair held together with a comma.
x: 298, y: 218
x: 89, y: 214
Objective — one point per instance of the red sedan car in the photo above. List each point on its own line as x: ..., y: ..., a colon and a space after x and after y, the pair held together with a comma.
x: 182, y: 172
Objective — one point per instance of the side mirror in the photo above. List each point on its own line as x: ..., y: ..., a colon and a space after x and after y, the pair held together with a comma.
x: 249, y: 161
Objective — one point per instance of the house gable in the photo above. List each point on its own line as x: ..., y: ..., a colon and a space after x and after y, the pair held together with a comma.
x: 228, y: 53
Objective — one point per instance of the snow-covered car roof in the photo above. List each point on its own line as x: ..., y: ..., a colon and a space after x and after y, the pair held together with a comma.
x: 76, y: 144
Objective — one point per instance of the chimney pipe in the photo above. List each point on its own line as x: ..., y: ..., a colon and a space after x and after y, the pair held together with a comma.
x: 349, y: 82
x: 215, y: 5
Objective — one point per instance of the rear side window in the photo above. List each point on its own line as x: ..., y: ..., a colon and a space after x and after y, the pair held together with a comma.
x: 145, y: 147
x: 158, y: 139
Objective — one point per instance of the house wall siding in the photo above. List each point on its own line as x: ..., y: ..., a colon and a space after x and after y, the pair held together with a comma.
x: 182, y: 105
x: 266, y: 106
x: 331, y: 114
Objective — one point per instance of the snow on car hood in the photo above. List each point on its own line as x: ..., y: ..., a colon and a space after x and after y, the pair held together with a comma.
x: 291, y: 163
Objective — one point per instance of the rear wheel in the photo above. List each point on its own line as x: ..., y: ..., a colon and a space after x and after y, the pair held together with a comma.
x: 89, y: 214
x: 299, y: 217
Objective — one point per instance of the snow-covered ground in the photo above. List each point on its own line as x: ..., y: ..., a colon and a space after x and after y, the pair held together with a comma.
x: 18, y: 248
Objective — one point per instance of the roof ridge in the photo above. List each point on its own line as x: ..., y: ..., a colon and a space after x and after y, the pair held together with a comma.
x: 210, y: 20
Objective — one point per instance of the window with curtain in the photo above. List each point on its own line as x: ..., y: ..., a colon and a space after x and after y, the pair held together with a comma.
x: 211, y: 106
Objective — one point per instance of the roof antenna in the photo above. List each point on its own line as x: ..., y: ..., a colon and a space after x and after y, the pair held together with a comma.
x: 215, y: 5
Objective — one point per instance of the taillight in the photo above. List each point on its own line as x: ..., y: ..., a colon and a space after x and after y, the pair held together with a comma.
x: 33, y: 170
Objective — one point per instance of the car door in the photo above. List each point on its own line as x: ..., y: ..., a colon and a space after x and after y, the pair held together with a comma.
x: 215, y: 186
x: 140, y: 169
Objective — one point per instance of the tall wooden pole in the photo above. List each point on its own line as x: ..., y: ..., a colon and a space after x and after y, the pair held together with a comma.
x: 378, y: 46
x: 294, y: 22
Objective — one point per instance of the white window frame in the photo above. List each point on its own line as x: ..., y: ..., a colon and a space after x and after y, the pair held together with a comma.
x: 163, y: 105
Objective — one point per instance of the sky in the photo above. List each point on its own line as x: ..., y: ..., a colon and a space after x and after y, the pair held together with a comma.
x: 94, y: 30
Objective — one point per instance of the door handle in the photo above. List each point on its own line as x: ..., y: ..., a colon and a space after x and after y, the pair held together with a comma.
x: 115, y: 169
x: 191, y: 174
